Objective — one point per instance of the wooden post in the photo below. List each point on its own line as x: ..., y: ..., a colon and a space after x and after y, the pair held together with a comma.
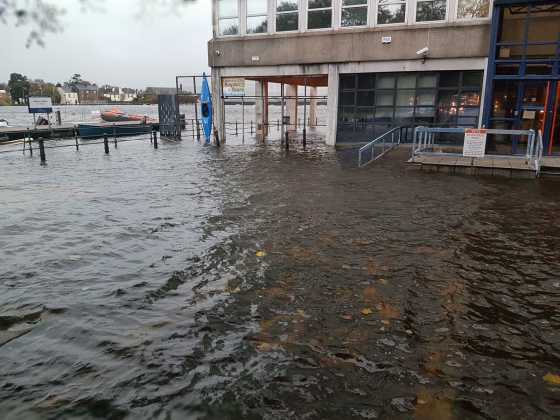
x: 305, y: 113
x: 196, y: 109
x: 76, y: 138
x: 287, y: 141
x: 251, y: 129
x: 30, y: 145
x: 42, y: 150
x: 155, y: 139
x: 106, y: 143
x: 236, y: 132
x: 192, y: 125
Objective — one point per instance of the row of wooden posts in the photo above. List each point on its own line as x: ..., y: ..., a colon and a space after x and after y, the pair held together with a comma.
x: 41, y: 143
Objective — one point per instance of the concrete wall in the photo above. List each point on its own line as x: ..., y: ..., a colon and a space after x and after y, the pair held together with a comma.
x: 444, y: 41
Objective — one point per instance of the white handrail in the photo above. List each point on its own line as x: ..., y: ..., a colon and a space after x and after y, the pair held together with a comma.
x: 394, y: 142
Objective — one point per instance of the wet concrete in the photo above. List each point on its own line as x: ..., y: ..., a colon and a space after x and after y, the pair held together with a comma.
x: 252, y: 282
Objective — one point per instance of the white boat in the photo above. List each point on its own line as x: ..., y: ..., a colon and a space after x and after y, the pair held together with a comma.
x: 4, y: 123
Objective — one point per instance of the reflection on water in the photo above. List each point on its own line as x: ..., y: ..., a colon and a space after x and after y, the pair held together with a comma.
x: 249, y: 282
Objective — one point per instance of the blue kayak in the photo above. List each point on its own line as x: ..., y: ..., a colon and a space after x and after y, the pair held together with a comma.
x: 206, y: 109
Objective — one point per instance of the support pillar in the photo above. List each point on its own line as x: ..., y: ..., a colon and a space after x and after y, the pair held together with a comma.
x: 312, y: 119
x: 259, y: 111
x: 332, y: 105
x: 265, y: 110
x: 292, y: 106
x: 218, y: 103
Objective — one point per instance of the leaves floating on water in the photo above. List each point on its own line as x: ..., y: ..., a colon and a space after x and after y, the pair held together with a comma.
x: 260, y: 253
x: 346, y: 317
x: 366, y: 311
x: 552, y: 379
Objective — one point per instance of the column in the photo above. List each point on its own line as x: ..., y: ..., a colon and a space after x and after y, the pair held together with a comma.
x: 259, y: 110
x: 312, y: 107
x: 332, y: 105
x: 292, y: 105
x: 218, y: 105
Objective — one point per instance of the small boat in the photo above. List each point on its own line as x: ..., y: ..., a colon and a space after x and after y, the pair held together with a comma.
x: 116, y: 115
x: 4, y: 123
x: 206, y: 108
x: 95, y: 131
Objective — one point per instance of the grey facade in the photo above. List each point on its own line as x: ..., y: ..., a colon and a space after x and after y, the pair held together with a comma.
x: 385, y: 37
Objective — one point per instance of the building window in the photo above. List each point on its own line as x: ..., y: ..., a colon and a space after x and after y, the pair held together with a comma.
x: 354, y: 13
x: 391, y: 11
x: 287, y: 15
x: 472, y: 9
x: 256, y: 16
x: 429, y: 10
x: 319, y: 14
x: 228, y: 17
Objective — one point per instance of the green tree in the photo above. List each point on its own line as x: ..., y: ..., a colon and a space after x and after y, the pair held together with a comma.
x: 18, y: 87
x: 76, y: 79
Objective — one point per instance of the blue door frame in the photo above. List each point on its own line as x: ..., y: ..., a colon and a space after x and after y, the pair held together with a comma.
x: 522, y: 78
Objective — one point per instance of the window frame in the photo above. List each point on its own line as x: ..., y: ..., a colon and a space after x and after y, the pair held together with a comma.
x: 407, y: 5
x: 474, y: 19
x: 431, y: 22
x: 367, y: 4
x: 219, y: 18
x: 334, y: 3
x: 265, y: 14
x: 297, y: 12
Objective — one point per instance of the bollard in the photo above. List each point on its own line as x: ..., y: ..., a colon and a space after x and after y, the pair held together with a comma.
x: 287, y: 141
x: 277, y: 125
x: 106, y: 144
x: 30, y: 146
x: 236, y: 132
x: 58, y: 118
x: 155, y: 139
x: 251, y: 127
x: 76, y: 138
x: 151, y: 137
x: 192, y: 125
x: 42, y: 150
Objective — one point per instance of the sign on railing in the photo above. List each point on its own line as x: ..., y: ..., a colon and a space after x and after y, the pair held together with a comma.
x: 475, y: 142
x: 40, y: 105
x: 233, y: 86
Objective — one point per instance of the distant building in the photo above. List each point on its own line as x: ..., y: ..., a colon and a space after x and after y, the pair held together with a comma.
x: 87, y: 93
x: 67, y: 96
x: 128, y: 95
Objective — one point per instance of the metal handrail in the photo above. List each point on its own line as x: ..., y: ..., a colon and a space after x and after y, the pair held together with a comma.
x: 423, y: 143
x: 382, y: 139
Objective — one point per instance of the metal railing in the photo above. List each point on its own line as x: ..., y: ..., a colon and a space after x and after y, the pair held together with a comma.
x: 385, y: 142
x: 425, y: 141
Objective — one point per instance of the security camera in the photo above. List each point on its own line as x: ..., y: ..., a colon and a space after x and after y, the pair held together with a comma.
x: 423, y: 51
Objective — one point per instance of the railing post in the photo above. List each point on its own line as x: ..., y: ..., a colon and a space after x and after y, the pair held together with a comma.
x: 106, y: 144
x: 42, y: 150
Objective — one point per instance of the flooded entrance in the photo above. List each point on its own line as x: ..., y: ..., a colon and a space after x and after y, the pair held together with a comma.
x: 249, y: 282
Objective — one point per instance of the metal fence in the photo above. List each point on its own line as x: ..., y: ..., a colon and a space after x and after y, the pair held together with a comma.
x: 381, y: 145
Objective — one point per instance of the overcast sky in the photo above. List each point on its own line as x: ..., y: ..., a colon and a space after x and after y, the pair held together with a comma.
x: 120, y: 45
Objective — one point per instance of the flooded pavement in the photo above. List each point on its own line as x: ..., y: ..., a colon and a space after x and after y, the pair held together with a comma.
x: 250, y: 283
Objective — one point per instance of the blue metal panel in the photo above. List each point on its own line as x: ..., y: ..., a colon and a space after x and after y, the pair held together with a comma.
x: 491, y: 68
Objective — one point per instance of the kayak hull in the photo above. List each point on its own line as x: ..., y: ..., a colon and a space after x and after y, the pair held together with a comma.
x: 206, y: 109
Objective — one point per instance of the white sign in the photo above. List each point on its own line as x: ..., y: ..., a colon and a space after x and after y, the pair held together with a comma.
x: 39, y: 104
x: 233, y: 86
x: 475, y: 142
x: 386, y: 39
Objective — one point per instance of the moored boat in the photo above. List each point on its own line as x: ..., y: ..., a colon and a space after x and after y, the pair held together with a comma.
x: 116, y: 115
x: 95, y: 131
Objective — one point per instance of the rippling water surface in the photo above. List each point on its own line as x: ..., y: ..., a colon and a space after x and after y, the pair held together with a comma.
x: 250, y: 282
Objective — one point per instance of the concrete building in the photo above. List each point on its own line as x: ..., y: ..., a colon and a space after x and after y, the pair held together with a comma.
x: 397, y: 62
x: 87, y: 93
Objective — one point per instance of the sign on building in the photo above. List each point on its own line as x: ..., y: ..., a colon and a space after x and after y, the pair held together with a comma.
x: 475, y: 142
x: 233, y: 86
x: 40, y: 105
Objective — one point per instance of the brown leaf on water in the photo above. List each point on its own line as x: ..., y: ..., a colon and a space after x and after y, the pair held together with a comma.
x: 366, y: 311
x: 372, y: 268
x: 552, y: 379
x: 382, y: 281
x: 388, y: 311
x: 370, y: 295
x: 266, y: 347
x: 346, y: 317
x: 430, y: 406
x: 361, y: 242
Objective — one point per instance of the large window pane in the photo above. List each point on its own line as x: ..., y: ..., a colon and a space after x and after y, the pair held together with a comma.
x: 318, y: 4
x: 407, y: 81
x: 427, y: 80
x: 390, y: 12
x: 354, y: 16
x: 469, y: 9
x: 366, y: 81
x: 347, y: 81
x: 256, y: 7
x: 347, y: 98
x: 385, y: 81
x: 405, y: 98
x: 287, y: 22
x: 472, y: 78
x: 317, y: 19
x: 229, y: 26
x: 286, y: 5
x: 365, y: 98
x: 384, y: 98
x: 256, y: 24
x: 426, y: 98
x: 428, y: 10
x: 227, y: 8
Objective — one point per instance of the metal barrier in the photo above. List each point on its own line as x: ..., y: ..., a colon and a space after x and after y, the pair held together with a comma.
x: 386, y: 141
x: 425, y: 142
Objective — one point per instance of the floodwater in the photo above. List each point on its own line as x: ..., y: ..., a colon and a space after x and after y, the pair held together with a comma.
x: 250, y: 282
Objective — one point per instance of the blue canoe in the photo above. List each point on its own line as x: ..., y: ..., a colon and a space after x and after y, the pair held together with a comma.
x: 206, y: 108
x: 121, y: 129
